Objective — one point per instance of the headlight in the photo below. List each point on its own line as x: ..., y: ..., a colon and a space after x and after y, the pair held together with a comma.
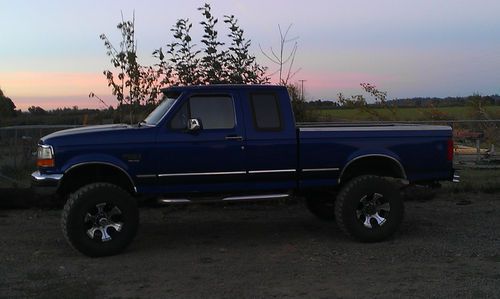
x: 45, y: 156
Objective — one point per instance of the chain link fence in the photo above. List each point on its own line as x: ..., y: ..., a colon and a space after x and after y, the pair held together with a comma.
x: 476, y: 145
x: 18, y: 145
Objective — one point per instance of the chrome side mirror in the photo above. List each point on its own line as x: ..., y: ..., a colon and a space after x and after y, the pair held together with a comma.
x: 194, y: 125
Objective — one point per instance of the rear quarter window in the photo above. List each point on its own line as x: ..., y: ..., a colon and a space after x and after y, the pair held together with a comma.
x: 266, y: 112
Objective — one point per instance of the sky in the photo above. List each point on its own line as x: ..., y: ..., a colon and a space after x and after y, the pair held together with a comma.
x: 51, y: 55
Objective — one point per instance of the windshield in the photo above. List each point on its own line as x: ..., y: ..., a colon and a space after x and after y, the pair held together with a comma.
x: 157, y: 114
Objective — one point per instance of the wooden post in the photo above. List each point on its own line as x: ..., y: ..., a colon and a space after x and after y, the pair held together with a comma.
x: 478, y: 150
x: 15, y: 149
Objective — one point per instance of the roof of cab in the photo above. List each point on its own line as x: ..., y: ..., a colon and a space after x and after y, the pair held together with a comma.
x: 220, y: 87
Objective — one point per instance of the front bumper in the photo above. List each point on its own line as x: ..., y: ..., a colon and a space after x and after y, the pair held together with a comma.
x: 45, y: 184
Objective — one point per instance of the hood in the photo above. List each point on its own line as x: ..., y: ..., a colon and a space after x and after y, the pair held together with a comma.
x: 87, y: 130
x: 103, y: 134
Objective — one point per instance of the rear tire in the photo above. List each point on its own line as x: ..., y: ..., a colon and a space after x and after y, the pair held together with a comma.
x: 369, y: 208
x: 100, y: 219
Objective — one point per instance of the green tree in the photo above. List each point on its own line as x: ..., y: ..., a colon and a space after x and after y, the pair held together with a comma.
x: 183, y: 55
x: 37, y: 110
x: 7, y: 107
x: 213, y: 62
x: 133, y: 84
x: 182, y: 63
x: 476, y: 106
x: 298, y: 103
x: 242, y: 67
x: 380, y: 97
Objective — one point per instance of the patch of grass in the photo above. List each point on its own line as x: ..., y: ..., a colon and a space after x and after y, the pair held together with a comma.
x: 403, y: 113
x: 475, y: 180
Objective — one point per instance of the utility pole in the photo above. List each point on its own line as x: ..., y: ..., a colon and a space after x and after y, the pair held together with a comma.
x: 302, y: 89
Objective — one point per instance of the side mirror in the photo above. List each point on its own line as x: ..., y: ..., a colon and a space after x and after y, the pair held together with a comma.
x: 194, y: 125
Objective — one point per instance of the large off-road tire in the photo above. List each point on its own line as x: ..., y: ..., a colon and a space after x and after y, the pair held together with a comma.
x: 100, y: 219
x: 369, y: 208
x: 322, y: 205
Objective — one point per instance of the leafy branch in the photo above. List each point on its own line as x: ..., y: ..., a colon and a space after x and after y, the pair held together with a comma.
x: 359, y: 102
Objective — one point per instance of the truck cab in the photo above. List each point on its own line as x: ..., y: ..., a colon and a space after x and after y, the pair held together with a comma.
x: 236, y: 140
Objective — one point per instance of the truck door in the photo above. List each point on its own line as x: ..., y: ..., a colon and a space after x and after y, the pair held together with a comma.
x: 208, y: 159
x: 271, y: 147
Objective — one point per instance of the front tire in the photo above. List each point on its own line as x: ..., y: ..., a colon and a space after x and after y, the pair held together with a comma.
x: 369, y: 208
x: 100, y: 219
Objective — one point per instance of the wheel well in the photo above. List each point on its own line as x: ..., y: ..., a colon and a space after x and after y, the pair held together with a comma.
x: 374, y: 165
x: 80, y: 176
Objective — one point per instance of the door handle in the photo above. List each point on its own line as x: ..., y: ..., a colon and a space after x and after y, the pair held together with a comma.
x: 234, y: 137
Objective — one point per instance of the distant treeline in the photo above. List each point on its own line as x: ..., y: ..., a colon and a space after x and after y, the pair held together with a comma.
x: 446, y: 102
x: 415, y: 102
x: 75, y: 116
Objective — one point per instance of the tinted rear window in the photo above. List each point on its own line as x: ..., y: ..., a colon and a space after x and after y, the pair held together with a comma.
x: 266, y: 112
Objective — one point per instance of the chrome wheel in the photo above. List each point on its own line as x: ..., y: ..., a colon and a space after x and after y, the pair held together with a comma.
x: 373, y: 210
x: 369, y: 208
x: 103, y: 222
x: 100, y: 219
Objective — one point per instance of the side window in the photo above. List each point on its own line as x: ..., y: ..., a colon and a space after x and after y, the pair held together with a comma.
x: 179, y: 121
x: 266, y: 112
x: 215, y: 112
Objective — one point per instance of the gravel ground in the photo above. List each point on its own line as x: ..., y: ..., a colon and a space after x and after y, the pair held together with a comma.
x: 448, y: 247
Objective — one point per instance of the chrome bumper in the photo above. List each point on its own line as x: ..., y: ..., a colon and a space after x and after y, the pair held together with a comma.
x: 45, y: 184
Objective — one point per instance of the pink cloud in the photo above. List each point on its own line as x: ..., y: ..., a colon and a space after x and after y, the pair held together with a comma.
x: 51, y: 90
x: 54, y: 102
x: 48, y: 84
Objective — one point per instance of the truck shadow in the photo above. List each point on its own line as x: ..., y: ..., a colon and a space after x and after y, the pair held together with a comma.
x: 217, y: 230
x: 202, y: 232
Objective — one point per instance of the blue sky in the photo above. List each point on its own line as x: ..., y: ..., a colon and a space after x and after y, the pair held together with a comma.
x: 51, y: 55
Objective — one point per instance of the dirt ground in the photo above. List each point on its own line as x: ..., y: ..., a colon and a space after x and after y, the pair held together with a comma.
x: 448, y: 247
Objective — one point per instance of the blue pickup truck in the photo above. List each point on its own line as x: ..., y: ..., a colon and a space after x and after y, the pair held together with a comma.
x: 230, y: 143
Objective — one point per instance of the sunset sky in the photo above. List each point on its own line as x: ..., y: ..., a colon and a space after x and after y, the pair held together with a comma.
x: 51, y: 55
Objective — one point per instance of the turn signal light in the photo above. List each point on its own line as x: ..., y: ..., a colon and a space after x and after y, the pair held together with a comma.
x: 45, y: 163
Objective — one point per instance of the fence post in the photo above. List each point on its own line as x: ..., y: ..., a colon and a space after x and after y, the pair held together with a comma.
x: 478, y: 150
x: 15, y: 149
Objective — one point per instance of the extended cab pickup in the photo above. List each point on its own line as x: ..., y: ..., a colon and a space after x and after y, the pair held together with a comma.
x: 229, y: 143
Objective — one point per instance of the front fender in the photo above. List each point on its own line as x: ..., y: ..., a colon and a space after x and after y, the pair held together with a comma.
x: 94, y: 159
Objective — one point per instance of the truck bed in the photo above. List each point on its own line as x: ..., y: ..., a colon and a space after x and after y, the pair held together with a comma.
x: 325, y: 150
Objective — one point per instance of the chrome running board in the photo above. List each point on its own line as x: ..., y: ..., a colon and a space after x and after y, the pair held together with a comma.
x: 231, y: 198
x: 255, y: 197
x: 174, y: 200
